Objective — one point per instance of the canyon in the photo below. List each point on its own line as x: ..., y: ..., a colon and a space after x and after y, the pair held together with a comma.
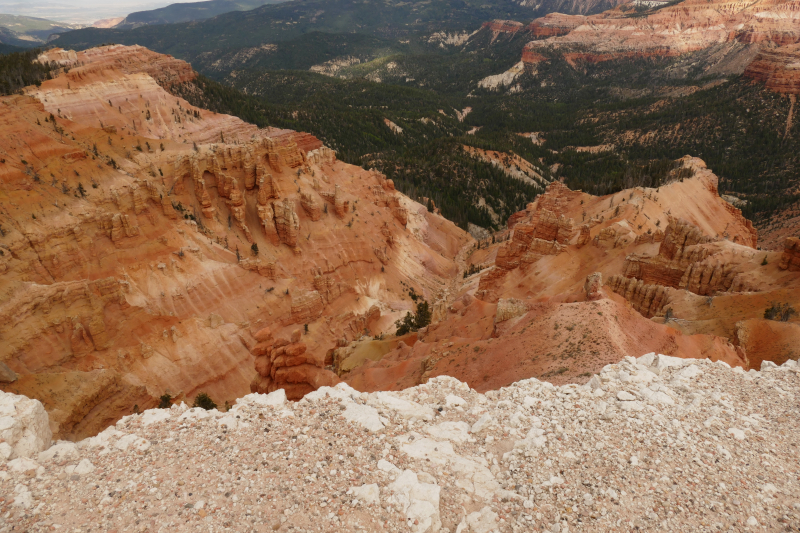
x: 150, y: 247
x: 579, y: 281
x: 145, y: 242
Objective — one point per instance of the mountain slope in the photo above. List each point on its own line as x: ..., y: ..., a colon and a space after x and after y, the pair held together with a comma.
x: 185, y: 12
x: 388, y: 19
x: 24, y: 31
x: 144, y: 242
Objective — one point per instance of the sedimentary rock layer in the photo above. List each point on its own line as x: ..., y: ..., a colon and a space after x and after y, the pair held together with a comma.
x: 144, y: 241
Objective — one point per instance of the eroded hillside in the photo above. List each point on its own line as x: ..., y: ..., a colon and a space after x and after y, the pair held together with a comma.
x: 579, y: 281
x: 153, y: 247
x: 144, y: 242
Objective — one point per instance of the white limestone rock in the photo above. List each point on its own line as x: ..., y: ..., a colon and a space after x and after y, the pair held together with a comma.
x: 369, y: 494
x: 451, y: 400
x: 197, y: 413
x: 24, y: 425
x: 453, y: 431
x: 418, y: 501
x: 482, y: 423
x: 363, y: 415
x: 404, y: 408
x: 483, y: 521
x: 60, y: 451
x: 151, y: 416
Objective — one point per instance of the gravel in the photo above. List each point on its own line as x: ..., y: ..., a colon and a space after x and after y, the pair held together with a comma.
x: 649, y: 444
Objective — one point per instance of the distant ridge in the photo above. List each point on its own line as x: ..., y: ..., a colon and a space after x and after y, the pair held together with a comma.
x: 26, y: 32
x: 189, y: 11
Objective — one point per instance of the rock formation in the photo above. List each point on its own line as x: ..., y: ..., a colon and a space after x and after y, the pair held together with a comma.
x: 594, y: 282
x: 498, y: 27
x: 111, y: 272
x: 287, y: 222
x: 790, y: 259
x: 508, y: 308
x: 310, y: 205
x: 306, y: 306
x: 672, y: 30
x: 680, y: 268
x: 152, y: 283
x: 683, y: 262
x: 286, y: 364
x: 536, y: 232
x: 777, y: 69
x: 341, y: 205
x: 649, y: 300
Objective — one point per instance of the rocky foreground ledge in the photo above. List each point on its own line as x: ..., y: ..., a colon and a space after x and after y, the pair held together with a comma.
x: 649, y: 444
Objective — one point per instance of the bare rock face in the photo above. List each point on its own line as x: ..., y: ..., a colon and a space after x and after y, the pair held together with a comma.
x: 551, y: 25
x: 329, y: 288
x: 541, y: 230
x: 672, y: 30
x: 306, y: 307
x: 264, y: 268
x: 166, y: 70
x: 594, y: 282
x: 777, y: 68
x: 678, y: 237
x: 108, y: 289
x: 648, y: 300
x: 321, y: 156
x: 686, y: 260
x: 284, y: 150
x: 341, y: 205
x: 790, y: 259
x: 552, y: 228
x: 399, y: 212
x: 382, y: 255
x: 584, y: 236
x: 286, y: 364
x: 287, y: 222
x: 503, y: 26
x: 508, y: 308
x: 267, y: 189
x: 237, y: 206
x: 614, y: 236
x: 6, y: 374
x: 310, y: 205
x: 120, y: 226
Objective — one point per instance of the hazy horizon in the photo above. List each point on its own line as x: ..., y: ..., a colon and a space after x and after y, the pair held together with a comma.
x: 80, y: 11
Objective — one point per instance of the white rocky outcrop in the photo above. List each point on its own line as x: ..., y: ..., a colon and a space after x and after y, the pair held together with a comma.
x: 651, y: 444
x: 504, y: 79
x: 24, y: 427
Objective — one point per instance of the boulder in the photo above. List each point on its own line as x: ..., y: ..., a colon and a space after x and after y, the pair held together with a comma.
x: 24, y: 425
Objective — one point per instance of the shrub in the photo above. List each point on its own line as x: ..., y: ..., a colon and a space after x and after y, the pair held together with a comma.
x: 204, y: 400
x: 415, y: 321
x: 166, y: 401
x: 780, y: 312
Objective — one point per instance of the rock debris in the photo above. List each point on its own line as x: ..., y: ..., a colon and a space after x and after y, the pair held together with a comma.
x: 650, y: 444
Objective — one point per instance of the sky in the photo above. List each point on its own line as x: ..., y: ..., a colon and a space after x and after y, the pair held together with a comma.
x: 80, y: 11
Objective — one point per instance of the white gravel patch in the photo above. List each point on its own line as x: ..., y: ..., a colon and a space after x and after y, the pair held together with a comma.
x: 649, y: 444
